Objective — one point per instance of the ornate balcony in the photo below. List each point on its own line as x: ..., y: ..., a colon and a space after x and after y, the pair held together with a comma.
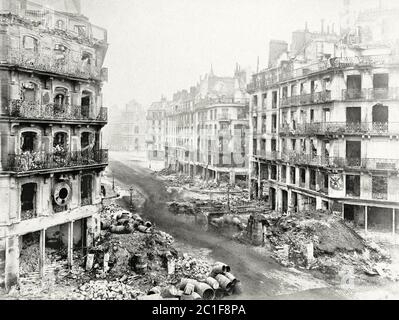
x: 52, y: 63
x: 340, y: 128
x: 28, y: 110
x: 313, y: 98
x: 340, y: 162
x: 370, y: 94
x: 37, y: 161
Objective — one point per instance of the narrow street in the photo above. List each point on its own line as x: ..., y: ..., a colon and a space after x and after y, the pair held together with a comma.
x: 261, y: 276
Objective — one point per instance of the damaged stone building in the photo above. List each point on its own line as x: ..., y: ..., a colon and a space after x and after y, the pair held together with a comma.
x: 207, y: 129
x: 324, y: 121
x: 50, y: 130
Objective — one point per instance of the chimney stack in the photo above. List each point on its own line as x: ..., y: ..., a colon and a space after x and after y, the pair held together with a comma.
x: 332, y: 28
x: 306, y: 26
x: 322, y: 26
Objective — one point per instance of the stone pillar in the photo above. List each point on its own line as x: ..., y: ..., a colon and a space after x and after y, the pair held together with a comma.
x: 42, y: 255
x: 365, y: 219
x: 12, y: 262
x: 259, y: 182
x: 232, y: 178
x: 2, y: 262
x: 1, y: 158
x: 290, y: 204
x: 90, y: 232
x: 393, y: 222
x: 70, y: 244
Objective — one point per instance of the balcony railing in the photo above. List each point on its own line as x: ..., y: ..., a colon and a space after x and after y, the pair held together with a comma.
x: 340, y: 162
x: 270, y: 77
x: 371, y: 94
x: 212, y: 101
x: 338, y: 128
x: 313, y: 98
x: 36, y: 161
x: 380, y: 195
x: 52, y: 63
x: 34, y: 110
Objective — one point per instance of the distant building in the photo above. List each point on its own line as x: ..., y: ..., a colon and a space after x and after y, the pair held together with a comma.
x: 156, y: 130
x: 126, y: 130
x: 207, y: 128
x: 324, y: 129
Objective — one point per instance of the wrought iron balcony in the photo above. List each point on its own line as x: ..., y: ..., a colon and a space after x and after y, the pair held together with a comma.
x: 52, y: 63
x: 371, y: 94
x: 303, y: 99
x: 34, y: 110
x: 340, y: 162
x: 213, y: 101
x: 380, y: 196
x: 339, y: 128
x: 36, y: 161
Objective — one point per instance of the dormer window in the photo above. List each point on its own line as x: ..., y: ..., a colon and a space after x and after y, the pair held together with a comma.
x: 80, y: 30
x: 87, y: 57
x: 30, y: 43
x: 60, y: 47
x: 60, y: 24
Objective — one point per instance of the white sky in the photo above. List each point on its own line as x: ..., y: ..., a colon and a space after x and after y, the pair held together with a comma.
x: 161, y: 46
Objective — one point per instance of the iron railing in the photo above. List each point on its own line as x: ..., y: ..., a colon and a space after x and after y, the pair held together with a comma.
x: 371, y: 94
x: 303, y: 99
x: 223, y: 100
x: 52, y: 63
x: 337, y: 128
x: 35, y: 161
x: 263, y: 80
x: 34, y: 110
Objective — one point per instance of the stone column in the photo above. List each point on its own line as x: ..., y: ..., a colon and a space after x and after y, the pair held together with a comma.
x: 365, y: 219
x: 232, y: 178
x: 393, y: 222
x: 259, y: 182
x: 70, y: 244
x: 12, y: 262
x: 2, y: 262
x: 42, y: 256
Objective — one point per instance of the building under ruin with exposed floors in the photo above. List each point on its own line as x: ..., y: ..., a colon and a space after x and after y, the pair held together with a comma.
x: 50, y: 130
x: 206, y: 129
x: 324, y: 122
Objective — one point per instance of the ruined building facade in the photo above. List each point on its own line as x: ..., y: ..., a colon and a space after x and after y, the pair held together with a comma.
x: 324, y: 128
x: 206, y: 128
x: 51, y: 117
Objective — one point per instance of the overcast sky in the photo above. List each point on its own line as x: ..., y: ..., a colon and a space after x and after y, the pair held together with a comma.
x: 161, y: 46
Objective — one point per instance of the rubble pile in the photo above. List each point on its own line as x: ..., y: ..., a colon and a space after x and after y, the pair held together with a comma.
x: 320, y: 241
x: 107, y: 290
x: 130, y: 263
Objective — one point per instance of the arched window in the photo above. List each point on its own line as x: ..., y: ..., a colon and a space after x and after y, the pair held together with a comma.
x: 29, y: 92
x: 60, y: 24
x: 60, y: 142
x: 86, y: 101
x: 30, y: 43
x: 29, y: 141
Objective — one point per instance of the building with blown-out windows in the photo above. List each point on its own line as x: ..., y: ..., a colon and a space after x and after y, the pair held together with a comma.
x: 51, y: 117
x: 324, y: 121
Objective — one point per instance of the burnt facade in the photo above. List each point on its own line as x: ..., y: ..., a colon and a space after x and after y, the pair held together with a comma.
x: 324, y: 133
x: 51, y: 73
